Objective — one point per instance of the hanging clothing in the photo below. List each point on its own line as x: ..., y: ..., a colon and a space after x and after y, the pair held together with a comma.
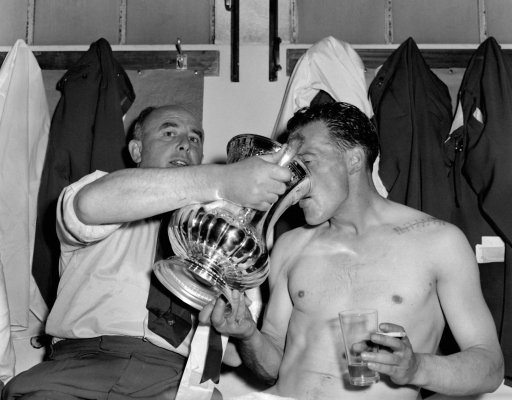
x: 7, y: 356
x: 86, y: 134
x: 24, y: 127
x: 332, y: 66
x: 413, y: 113
x: 480, y: 147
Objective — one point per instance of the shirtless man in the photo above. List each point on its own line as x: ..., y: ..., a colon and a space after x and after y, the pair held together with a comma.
x: 360, y: 250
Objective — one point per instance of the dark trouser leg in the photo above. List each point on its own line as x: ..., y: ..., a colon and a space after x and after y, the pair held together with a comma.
x: 113, y: 367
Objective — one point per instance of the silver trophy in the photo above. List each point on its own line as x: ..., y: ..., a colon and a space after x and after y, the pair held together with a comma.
x: 221, y: 246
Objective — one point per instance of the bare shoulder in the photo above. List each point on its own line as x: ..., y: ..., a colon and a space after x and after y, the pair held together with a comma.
x: 295, y: 237
x: 405, y: 220
x: 439, y: 239
x: 289, y: 247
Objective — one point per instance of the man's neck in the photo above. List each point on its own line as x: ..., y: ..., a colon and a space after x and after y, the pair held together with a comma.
x: 360, y: 212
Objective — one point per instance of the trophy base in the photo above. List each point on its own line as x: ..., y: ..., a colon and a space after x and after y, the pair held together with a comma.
x: 174, y: 273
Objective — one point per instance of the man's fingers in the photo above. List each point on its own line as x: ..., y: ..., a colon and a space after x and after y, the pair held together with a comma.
x: 218, y: 312
x: 275, y: 156
x: 381, y: 358
x: 206, y: 312
x: 241, y: 312
x: 235, y: 305
x: 386, y: 327
x: 391, y: 342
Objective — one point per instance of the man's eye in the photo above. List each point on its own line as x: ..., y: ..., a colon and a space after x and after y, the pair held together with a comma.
x: 170, y: 133
x: 195, y: 139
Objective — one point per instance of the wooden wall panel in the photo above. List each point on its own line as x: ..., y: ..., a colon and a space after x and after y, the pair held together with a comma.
x: 65, y: 22
x: 162, y: 21
x: 198, y: 60
x: 499, y: 19
x: 360, y: 21
x: 13, y: 21
x: 436, y: 21
x: 374, y: 57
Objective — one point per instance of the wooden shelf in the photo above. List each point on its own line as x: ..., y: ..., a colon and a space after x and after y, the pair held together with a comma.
x: 197, y: 60
x: 372, y: 58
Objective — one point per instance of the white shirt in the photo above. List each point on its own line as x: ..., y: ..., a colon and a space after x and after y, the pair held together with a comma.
x: 105, y: 276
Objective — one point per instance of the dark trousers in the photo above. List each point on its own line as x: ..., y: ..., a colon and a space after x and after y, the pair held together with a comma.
x: 106, y: 367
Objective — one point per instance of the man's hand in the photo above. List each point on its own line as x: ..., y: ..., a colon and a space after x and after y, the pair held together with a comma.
x: 255, y: 182
x: 235, y: 321
x: 395, y: 357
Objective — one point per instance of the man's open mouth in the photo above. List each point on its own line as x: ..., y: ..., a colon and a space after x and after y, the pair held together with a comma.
x: 178, y: 163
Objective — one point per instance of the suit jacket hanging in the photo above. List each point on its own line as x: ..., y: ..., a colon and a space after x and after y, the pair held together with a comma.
x: 86, y: 134
x: 413, y: 115
x: 480, y: 146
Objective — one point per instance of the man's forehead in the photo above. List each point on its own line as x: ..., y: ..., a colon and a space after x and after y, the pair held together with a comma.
x: 174, y: 116
x: 172, y: 112
x: 311, y: 129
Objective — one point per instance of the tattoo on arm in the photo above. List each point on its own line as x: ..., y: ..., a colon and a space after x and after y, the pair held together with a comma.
x: 417, y: 225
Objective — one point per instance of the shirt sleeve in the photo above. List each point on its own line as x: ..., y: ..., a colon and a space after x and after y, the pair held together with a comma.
x: 71, y: 231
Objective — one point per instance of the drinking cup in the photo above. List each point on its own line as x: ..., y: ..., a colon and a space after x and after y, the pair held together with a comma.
x: 356, y: 328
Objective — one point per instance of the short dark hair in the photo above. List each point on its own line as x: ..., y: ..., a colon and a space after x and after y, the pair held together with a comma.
x: 138, y: 123
x: 348, y: 127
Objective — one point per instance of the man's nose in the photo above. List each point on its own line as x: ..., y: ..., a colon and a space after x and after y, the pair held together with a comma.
x: 184, y: 144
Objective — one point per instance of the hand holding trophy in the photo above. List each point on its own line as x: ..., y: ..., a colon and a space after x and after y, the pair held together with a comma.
x: 221, y: 246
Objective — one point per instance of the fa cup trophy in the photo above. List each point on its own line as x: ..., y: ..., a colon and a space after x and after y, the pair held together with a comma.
x: 221, y: 246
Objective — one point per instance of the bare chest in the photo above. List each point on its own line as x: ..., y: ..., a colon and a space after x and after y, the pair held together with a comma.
x: 332, y: 278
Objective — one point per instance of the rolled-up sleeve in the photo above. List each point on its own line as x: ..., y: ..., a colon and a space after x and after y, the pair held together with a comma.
x: 71, y: 231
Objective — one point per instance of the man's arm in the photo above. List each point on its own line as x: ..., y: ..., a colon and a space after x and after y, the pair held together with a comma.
x: 262, y: 351
x: 133, y: 194
x: 478, y: 367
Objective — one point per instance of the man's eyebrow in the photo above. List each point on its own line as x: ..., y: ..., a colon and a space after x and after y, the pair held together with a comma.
x: 168, y: 124
x: 199, y: 133
x: 172, y: 124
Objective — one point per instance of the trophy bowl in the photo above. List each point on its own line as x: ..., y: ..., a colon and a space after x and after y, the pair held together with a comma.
x: 221, y: 246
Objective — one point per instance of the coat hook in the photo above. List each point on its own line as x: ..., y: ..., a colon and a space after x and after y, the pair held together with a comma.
x: 181, y: 59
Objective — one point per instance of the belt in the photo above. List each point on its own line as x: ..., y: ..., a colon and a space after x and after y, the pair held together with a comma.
x: 122, y: 345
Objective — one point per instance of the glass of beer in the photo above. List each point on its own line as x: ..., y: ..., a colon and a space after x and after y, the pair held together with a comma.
x: 356, y: 328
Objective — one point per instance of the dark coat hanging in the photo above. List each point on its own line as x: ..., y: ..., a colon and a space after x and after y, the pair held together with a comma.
x: 481, y: 150
x: 86, y: 134
x: 413, y: 114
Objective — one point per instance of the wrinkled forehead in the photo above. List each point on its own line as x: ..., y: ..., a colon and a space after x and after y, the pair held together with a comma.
x: 174, y: 116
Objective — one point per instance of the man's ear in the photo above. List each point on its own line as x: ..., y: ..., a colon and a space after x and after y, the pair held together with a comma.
x: 355, y: 160
x: 135, y: 149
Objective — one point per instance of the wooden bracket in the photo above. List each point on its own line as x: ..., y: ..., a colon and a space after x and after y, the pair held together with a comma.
x: 206, y: 61
x: 374, y: 57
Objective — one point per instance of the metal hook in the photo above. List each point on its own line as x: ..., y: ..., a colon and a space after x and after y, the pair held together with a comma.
x: 227, y: 4
x: 181, y: 59
x: 178, y: 45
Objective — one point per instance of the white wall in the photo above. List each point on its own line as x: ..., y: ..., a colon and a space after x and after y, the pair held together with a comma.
x: 248, y: 106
